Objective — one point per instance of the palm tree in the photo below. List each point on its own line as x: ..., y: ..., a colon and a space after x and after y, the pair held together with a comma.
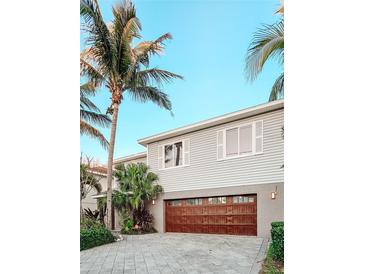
x: 89, y: 113
x: 111, y: 60
x: 137, y: 186
x: 267, y: 42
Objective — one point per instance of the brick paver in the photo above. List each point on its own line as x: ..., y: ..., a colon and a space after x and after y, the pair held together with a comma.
x: 176, y: 253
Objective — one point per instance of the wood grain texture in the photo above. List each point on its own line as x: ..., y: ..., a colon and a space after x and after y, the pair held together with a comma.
x: 229, y: 218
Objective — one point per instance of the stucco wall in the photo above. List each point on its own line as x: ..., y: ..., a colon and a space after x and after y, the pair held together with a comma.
x: 90, y: 202
x: 268, y: 210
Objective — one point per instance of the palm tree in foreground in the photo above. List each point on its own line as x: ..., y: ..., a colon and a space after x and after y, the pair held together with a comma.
x: 110, y: 60
x: 137, y: 186
x: 90, y: 113
x: 267, y: 42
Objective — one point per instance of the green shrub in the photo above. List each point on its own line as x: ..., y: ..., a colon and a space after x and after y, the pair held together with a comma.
x: 90, y: 223
x: 127, y: 225
x: 277, y: 236
x: 95, y: 236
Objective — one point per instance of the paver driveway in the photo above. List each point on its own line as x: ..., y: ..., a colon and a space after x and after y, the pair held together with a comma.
x: 176, y: 253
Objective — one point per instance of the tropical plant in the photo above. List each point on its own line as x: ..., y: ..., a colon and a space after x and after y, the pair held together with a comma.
x: 90, y: 114
x: 137, y: 186
x: 267, y: 42
x: 127, y: 225
x: 144, y: 219
x: 88, y: 181
x: 101, y: 206
x: 87, y: 222
x: 91, y: 214
x: 112, y: 61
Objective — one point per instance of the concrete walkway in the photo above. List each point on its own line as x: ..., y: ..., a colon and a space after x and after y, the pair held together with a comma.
x: 176, y: 253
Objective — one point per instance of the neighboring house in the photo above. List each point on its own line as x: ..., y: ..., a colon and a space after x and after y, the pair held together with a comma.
x: 223, y: 175
x: 90, y: 200
x: 100, y: 172
x: 132, y: 159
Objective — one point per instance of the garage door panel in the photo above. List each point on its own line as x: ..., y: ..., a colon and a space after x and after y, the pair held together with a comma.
x: 236, y: 215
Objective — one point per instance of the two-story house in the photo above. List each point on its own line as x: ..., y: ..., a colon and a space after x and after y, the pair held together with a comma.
x: 223, y: 175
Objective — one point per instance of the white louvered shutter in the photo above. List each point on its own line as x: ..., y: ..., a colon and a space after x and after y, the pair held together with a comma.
x: 220, y: 145
x: 259, y: 136
x: 160, y: 157
x: 186, y: 147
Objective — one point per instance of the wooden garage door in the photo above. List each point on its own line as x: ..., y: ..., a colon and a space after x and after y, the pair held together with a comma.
x: 236, y: 215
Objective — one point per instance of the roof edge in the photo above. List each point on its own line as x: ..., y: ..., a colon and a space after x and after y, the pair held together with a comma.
x: 130, y: 157
x: 222, y: 119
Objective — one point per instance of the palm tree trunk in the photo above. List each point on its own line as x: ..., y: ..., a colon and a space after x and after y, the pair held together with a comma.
x: 110, y: 165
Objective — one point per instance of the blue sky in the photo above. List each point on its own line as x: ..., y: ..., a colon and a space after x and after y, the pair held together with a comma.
x: 210, y: 40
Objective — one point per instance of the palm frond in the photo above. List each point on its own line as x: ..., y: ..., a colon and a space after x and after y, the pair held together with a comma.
x: 93, y: 74
x: 102, y: 120
x: 125, y: 27
x: 145, y: 49
x: 159, y: 76
x: 277, y: 90
x: 267, y: 42
x: 88, y: 88
x: 86, y: 103
x: 89, y: 130
x: 98, y: 34
x: 153, y: 94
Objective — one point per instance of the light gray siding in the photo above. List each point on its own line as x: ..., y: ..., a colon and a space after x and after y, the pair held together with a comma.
x: 205, y: 171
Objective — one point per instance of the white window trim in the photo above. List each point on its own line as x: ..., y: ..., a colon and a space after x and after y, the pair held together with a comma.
x: 163, y: 154
x: 253, y: 124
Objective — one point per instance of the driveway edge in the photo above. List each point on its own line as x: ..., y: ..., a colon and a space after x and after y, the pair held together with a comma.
x: 256, y: 267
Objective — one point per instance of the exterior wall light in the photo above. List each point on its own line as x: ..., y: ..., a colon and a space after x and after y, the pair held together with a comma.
x: 274, y: 193
x: 153, y: 201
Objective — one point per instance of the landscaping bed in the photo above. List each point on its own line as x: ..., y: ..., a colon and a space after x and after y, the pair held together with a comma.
x: 274, y: 262
x: 270, y: 265
x: 94, y: 234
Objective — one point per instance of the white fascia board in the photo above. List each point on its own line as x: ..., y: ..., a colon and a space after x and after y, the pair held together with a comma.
x: 244, y: 113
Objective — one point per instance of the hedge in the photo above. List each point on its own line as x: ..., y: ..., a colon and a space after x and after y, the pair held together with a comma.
x: 277, y: 236
x: 95, y: 236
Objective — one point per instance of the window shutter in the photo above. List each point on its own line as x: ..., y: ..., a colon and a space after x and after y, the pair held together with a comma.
x: 160, y: 157
x: 220, y: 145
x: 186, y: 147
x: 259, y: 136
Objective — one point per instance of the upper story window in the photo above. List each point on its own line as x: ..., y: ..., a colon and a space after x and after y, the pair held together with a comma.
x: 174, y: 154
x: 242, y: 140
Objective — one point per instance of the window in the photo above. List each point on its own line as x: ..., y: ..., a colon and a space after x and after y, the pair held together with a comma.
x: 173, y: 155
x: 232, y: 142
x: 243, y: 199
x: 245, y: 139
x: 217, y: 200
x: 239, y: 141
x: 242, y: 140
x: 194, y: 201
x: 175, y: 203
